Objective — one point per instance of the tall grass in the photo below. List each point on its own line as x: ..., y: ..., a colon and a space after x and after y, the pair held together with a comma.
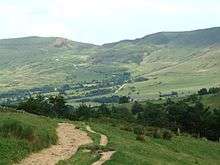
x: 16, y: 129
x: 21, y: 134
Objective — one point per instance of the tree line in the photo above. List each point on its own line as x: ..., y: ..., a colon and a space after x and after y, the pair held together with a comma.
x: 186, y: 115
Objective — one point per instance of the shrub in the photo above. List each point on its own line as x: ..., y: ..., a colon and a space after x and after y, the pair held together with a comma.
x: 124, y: 99
x: 140, y: 138
x: 167, y: 135
x: 214, y: 90
x: 157, y: 134
x: 139, y: 130
x: 203, y: 91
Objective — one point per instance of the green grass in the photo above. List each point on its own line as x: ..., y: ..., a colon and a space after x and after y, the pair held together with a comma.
x: 180, y: 150
x: 82, y: 157
x: 21, y: 134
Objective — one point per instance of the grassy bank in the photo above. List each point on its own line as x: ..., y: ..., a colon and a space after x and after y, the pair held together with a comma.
x: 21, y: 134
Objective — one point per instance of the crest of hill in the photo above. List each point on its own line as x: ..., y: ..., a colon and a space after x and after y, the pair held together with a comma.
x: 202, y: 37
x: 43, y: 42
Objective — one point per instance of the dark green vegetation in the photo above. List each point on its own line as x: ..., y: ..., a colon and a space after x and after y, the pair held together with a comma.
x: 167, y: 61
x: 188, y: 114
x: 22, y: 133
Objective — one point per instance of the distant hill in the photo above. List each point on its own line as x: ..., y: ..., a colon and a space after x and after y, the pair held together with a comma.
x: 181, y: 61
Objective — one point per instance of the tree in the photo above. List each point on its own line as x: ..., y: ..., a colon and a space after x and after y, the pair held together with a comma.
x: 124, y: 99
x: 38, y: 105
x: 153, y: 115
x: 136, y: 108
x: 83, y: 112
x: 122, y: 113
x: 214, y: 90
x: 203, y: 91
x: 193, y: 98
x: 104, y: 110
x: 58, y: 104
x: 177, y: 115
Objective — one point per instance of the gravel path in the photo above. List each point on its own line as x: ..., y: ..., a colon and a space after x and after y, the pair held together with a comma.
x: 69, y: 140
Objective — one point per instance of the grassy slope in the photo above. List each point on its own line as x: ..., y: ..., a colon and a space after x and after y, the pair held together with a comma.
x: 13, y: 149
x: 180, y: 150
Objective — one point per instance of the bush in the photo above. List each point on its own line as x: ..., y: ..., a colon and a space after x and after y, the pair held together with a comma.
x: 124, y: 99
x: 140, y: 138
x: 139, y: 130
x: 157, y: 134
x: 167, y: 135
x: 214, y: 90
x: 203, y: 91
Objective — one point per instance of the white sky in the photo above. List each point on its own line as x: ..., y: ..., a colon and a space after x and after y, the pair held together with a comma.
x: 102, y: 21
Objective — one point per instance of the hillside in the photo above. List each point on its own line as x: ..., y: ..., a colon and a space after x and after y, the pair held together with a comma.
x: 23, y: 133
x: 180, y: 150
x: 161, y: 62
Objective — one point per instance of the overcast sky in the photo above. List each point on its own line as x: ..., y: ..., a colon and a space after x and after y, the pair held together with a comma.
x: 102, y: 21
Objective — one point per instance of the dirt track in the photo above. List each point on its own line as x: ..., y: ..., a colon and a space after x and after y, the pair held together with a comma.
x: 105, y: 156
x: 103, y: 140
x: 69, y: 140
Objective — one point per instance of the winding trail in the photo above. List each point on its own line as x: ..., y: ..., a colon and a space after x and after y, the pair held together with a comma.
x: 103, y: 140
x: 105, y: 156
x: 69, y: 140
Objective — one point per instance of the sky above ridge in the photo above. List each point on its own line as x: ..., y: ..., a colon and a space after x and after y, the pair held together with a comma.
x: 103, y: 21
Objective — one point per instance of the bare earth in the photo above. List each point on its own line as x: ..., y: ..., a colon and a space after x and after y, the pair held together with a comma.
x: 103, y: 140
x: 69, y: 140
x: 105, y: 156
